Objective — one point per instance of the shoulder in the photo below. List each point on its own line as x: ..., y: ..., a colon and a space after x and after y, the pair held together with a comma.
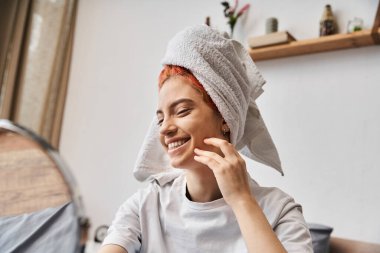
x: 159, y: 188
x: 285, y: 217
x: 269, y: 195
x: 274, y: 202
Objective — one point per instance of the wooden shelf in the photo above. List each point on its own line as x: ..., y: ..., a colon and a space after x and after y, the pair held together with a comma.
x: 317, y: 45
x: 322, y: 44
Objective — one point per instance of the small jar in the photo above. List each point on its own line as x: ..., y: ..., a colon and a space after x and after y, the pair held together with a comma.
x: 271, y: 25
x: 355, y: 25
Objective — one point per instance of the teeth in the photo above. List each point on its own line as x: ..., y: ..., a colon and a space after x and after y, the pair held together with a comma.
x: 176, y: 144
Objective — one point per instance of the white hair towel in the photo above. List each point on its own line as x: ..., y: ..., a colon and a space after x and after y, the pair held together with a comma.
x: 230, y: 77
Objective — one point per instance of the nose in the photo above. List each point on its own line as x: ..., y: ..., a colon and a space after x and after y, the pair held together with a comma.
x: 167, y: 127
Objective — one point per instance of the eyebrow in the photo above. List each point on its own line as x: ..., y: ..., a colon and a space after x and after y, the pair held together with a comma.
x: 177, y: 102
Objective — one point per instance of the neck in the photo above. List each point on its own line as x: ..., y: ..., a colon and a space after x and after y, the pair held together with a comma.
x: 202, y: 185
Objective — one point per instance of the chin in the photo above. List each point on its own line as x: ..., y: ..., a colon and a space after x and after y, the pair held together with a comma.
x: 186, y: 163
x: 175, y: 163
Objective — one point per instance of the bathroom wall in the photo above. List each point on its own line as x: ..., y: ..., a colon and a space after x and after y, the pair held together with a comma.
x: 322, y: 109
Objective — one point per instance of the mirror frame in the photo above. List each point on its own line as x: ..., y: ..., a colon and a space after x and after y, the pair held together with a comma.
x: 83, y: 222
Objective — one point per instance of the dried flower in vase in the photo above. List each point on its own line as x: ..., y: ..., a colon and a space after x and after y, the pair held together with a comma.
x: 232, y: 14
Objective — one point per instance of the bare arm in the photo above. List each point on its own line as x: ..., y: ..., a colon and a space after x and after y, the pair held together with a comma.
x: 112, y: 249
x: 232, y: 177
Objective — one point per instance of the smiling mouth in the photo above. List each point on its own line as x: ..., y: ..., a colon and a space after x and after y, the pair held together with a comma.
x: 177, y: 144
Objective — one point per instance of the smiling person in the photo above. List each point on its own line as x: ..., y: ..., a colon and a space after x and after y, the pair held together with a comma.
x: 200, y: 197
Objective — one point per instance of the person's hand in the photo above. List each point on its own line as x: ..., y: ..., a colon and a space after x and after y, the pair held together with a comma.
x: 230, y: 171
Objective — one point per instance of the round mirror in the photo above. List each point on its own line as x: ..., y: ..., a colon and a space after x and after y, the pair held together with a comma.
x: 40, y: 206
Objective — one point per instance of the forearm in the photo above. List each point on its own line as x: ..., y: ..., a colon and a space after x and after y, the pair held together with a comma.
x: 112, y: 249
x: 257, y: 232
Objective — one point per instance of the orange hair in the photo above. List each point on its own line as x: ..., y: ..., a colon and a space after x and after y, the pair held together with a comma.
x: 173, y: 70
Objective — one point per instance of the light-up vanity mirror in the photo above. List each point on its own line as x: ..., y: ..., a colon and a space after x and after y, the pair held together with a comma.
x: 40, y: 206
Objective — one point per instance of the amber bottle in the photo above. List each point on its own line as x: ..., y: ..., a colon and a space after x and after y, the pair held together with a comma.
x: 327, y: 25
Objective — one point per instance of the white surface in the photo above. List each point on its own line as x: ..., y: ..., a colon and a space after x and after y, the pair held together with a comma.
x: 322, y: 110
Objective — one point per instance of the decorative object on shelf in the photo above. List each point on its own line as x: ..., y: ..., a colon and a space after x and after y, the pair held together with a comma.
x: 355, y: 25
x: 232, y: 14
x: 208, y: 21
x: 327, y: 24
x: 271, y: 25
x: 270, y: 39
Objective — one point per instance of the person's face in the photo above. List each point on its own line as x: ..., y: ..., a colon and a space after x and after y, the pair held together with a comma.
x: 185, y: 121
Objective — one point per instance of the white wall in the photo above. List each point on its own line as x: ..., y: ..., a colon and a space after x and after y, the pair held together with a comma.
x: 322, y: 110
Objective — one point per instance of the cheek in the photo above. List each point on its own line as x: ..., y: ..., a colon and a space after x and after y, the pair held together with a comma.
x: 162, y: 140
x: 201, y: 129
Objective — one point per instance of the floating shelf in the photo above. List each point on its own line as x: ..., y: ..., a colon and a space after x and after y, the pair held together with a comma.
x: 317, y: 45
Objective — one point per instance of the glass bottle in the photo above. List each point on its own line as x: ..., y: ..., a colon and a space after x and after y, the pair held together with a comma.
x: 327, y: 24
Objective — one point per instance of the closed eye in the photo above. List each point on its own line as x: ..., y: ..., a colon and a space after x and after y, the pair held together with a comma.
x: 184, y: 112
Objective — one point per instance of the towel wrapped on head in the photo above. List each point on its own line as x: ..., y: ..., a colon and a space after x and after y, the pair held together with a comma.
x: 230, y: 77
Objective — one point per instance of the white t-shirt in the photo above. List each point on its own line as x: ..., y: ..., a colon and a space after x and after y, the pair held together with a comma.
x: 160, y: 218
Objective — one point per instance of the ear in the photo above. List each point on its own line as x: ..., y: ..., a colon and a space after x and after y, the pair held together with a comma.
x: 225, y: 127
